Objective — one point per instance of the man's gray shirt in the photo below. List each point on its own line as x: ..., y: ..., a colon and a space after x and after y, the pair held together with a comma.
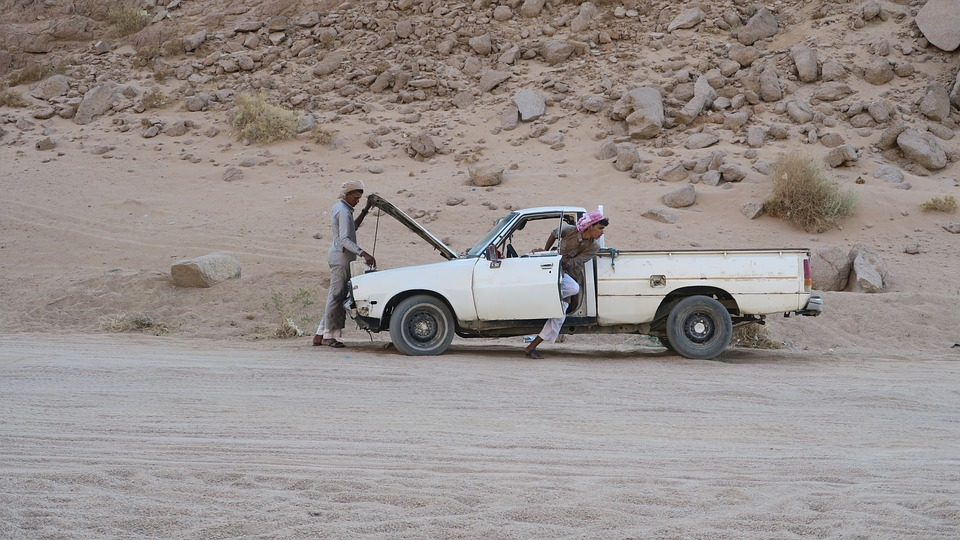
x: 344, y: 248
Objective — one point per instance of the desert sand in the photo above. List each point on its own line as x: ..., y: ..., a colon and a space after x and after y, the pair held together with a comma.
x: 203, y: 424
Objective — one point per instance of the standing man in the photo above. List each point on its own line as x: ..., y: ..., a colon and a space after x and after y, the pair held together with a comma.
x: 343, y: 251
x: 578, y: 244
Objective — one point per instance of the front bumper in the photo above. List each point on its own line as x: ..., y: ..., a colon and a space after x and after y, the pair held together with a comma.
x: 365, y: 323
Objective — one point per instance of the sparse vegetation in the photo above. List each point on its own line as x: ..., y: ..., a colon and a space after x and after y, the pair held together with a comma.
x: 323, y: 136
x: 261, y: 122
x: 121, y: 322
x: 805, y: 195
x: 290, y: 312
x: 9, y: 98
x: 155, y: 100
x: 753, y: 336
x: 947, y: 203
x: 33, y: 73
x: 128, y: 18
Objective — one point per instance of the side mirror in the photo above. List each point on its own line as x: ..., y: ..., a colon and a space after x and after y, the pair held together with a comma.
x: 492, y: 253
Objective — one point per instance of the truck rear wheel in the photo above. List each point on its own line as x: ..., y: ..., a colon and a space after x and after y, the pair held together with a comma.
x: 699, y: 327
x: 421, y: 326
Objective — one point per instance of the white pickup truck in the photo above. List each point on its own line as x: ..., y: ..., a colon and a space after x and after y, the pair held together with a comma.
x: 689, y: 299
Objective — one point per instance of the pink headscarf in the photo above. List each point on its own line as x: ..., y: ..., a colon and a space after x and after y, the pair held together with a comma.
x: 589, y: 219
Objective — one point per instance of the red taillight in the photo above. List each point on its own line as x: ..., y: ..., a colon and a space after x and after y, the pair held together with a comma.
x: 807, y: 280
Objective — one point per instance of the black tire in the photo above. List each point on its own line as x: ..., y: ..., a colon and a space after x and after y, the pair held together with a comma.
x: 666, y: 343
x: 421, y: 326
x: 699, y: 327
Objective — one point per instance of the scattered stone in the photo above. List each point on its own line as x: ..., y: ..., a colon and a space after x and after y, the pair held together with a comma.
x: 732, y: 173
x: 642, y: 110
x: 751, y: 210
x: 96, y: 101
x: 952, y: 227
x: 582, y: 21
x: 869, y: 272
x: 45, y: 144
x: 191, y: 42
x: 830, y: 268
x: 53, y: 87
x: 888, y: 173
x: 911, y: 249
x: 680, y: 198
x: 922, y: 148
x: 703, y: 94
x: 673, y: 173
x: 939, y: 20
x: 530, y: 104
x: 743, y: 55
x: 686, y: 19
x: 205, y: 271
x: 842, y: 155
x: 770, y: 89
x: 492, y: 78
x: 832, y: 91
x: 661, y: 215
x: 454, y: 201
x: 935, y: 104
x: 627, y: 156
x: 805, y: 60
x: 556, y: 51
x: 486, y: 175
x: 879, y: 72
x: 701, y: 140
x: 532, y: 8
x: 177, y: 129
x: 800, y: 111
x: 232, y: 174
x: 762, y: 25
x: 607, y: 150
x: 421, y: 147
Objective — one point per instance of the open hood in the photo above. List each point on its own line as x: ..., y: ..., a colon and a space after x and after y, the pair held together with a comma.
x: 388, y: 208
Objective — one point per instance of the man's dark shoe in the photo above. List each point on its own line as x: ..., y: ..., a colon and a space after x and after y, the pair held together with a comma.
x: 317, y: 340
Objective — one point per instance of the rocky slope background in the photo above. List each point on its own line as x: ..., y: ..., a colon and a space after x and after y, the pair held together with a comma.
x: 672, y: 112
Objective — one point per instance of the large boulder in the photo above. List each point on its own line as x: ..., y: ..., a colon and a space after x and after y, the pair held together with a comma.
x: 530, y: 104
x: 830, y: 268
x: 922, y: 148
x: 939, y: 20
x: 870, y: 273
x: 486, y: 175
x: 205, y: 271
x: 53, y: 87
x: 762, y: 25
x: 96, y: 101
x: 680, y: 198
x: 642, y: 110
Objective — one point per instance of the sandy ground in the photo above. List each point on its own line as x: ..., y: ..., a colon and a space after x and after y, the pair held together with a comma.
x: 139, y: 436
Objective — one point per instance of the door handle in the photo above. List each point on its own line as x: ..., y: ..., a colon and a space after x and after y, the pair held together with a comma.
x: 546, y: 266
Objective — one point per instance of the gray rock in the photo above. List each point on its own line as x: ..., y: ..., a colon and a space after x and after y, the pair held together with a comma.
x: 593, y: 103
x: 53, y: 87
x: 608, y: 149
x: 735, y: 121
x: 687, y: 18
x: 556, y: 51
x: 870, y: 272
x: 805, y: 59
x: 627, y: 156
x: 751, y: 210
x: 151, y: 131
x: 205, y: 271
x: 502, y: 13
x: 732, y: 173
x: 530, y: 104
x: 831, y: 140
x: 331, y: 62
x: 232, y: 174
x: 582, y: 21
x: 45, y: 144
x: 756, y: 137
x: 952, y: 227
x: 701, y: 140
x: 888, y: 138
x: 879, y: 72
x: 43, y: 113
x: 661, y: 215
x: 642, y: 110
x: 955, y: 93
x: 940, y: 131
x: 191, y: 42
x: 832, y: 91
x: 492, y: 78
x: 510, y: 118
x: 96, y: 101
x: 703, y: 94
x: 486, y: 175
x: 935, y: 104
x: 939, y: 20
x: 762, y: 166
x: 833, y: 70
x: 673, y: 173
x: 922, y: 148
x: 197, y: 103
x: 532, y: 8
x: 888, y: 173
x: 879, y: 112
x: 770, y: 90
x: 830, y: 268
x: 743, y: 55
x: 680, y: 198
x: 177, y: 129
x: 421, y: 147
x: 870, y: 10
x: 800, y: 111
x: 844, y: 154
x: 552, y: 138
x: 762, y: 25
x: 482, y: 45
x: 710, y: 178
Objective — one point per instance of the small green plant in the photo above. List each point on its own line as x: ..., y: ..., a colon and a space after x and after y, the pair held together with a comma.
x: 947, y: 203
x: 155, y: 100
x: 261, y: 122
x: 128, y: 18
x: 289, y: 312
x: 753, y: 336
x: 805, y: 195
x: 9, y: 98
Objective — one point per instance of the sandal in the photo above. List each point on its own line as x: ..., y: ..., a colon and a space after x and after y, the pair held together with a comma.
x: 534, y: 355
x: 332, y: 342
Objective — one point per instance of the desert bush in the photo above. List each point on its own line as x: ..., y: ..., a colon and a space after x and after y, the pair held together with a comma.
x: 128, y: 18
x: 155, y: 100
x: 9, y: 98
x: 804, y: 194
x: 121, y: 322
x: 753, y: 336
x: 289, y: 312
x: 33, y: 73
x: 947, y: 203
x: 323, y: 136
x: 261, y: 122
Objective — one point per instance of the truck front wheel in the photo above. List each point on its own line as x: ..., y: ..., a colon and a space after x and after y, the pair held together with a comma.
x: 421, y: 326
x: 699, y: 327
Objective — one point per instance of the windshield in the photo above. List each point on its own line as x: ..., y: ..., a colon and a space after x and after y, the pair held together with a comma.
x: 477, y: 250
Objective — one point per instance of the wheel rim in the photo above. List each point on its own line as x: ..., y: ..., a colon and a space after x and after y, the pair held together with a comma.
x: 699, y: 327
x: 423, y: 327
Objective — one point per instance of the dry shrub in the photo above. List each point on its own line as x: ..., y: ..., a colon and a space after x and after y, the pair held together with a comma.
x: 947, y: 203
x: 290, y: 312
x: 804, y: 194
x: 9, y: 98
x: 323, y: 136
x: 155, y: 100
x: 121, y: 322
x: 128, y: 18
x: 261, y: 122
x: 33, y: 73
x: 753, y: 336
